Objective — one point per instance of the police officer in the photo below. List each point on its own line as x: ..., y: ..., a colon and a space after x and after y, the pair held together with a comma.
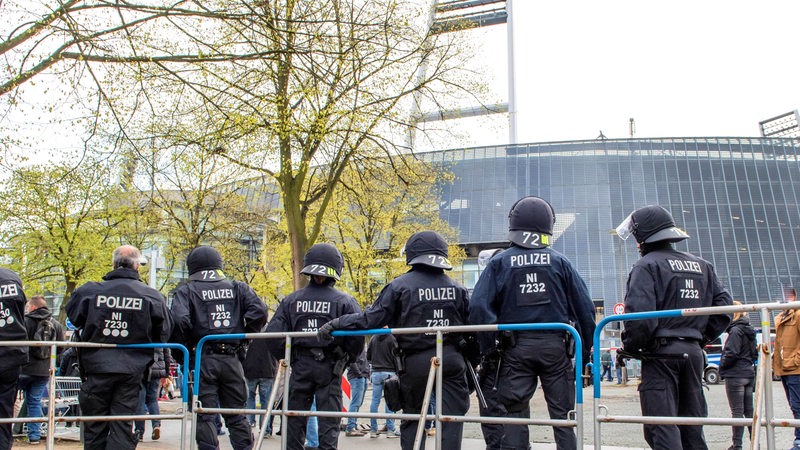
x: 12, y: 328
x: 317, y: 366
x: 671, y: 348
x: 422, y: 297
x: 531, y: 283
x: 487, y: 375
x: 119, y: 310
x: 211, y: 303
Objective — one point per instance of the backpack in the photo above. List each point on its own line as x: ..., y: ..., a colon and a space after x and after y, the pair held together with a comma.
x: 46, y: 332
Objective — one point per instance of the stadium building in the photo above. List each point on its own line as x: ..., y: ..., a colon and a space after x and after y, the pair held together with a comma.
x: 738, y: 198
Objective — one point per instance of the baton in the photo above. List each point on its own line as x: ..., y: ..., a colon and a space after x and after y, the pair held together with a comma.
x: 477, y: 384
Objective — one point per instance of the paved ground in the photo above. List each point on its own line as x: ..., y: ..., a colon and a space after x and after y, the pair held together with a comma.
x: 620, y: 400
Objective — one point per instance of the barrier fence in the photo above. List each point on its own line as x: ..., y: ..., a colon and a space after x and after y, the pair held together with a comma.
x: 764, y: 396
x: 763, y: 400
x: 51, y: 419
x: 438, y: 416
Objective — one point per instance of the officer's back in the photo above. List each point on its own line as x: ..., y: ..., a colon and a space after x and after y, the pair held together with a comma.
x: 119, y: 310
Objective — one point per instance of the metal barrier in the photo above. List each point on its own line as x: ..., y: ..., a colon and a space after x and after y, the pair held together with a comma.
x: 183, y: 414
x: 438, y: 416
x: 764, y: 373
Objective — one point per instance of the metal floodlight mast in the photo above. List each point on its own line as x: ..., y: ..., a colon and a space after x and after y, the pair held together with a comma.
x: 459, y: 15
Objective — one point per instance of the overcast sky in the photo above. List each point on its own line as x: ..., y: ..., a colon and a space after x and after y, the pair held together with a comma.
x: 679, y: 68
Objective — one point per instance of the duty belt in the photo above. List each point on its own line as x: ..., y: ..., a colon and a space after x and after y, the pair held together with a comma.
x: 667, y: 339
x: 318, y: 353
x: 222, y: 349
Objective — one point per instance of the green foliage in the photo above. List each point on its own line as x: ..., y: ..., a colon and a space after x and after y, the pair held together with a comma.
x: 58, y: 227
x: 379, y: 204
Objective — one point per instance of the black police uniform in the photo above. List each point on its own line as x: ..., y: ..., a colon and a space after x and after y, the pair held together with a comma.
x: 119, y: 310
x: 12, y: 328
x: 488, y: 380
x: 317, y: 366
x: 423, y: 297
x: 524, y: 285
x: 673, y: 368
x: 488, y: 374
x: 210, y: 303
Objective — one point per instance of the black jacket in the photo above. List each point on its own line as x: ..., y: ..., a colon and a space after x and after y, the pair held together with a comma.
x: 119, y: 310
x: 309, y: 308
x: 259, y: 362
x: 203, y: 307
x: 739, y: 352
x: 12, y: 312
x: 40, y: 367
x: 421, y: 297
x: 359, y: 368
x: 380, y: 353
x: 667, y: 279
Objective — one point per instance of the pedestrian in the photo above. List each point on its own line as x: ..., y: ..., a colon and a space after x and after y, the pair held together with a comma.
x: 121, y: 309
x: 36, y: 373
x: 317, y: 366
x: 786, y: 356
x: 422, y: 297
x: 259, y: 370
x: 148, y: 397
x: 357, y: 374
x: 736, y: 366
x: 606, y: 362
x: 381, y: 357
x: 210, y: 303
x: 622, y: 371
x: 671, y: 348
x: 531, y: 283
x: 12, y: 328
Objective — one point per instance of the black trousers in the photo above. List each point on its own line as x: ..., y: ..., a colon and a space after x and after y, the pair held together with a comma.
x: 312, y: 379
x: 222, y: 385
x: 492, y: 432
x: 672, y: 386
x: 110, y: 394
x: 740, y: 399
x: 8, y: 393
x: 539, y: 356
x: 455, y: 395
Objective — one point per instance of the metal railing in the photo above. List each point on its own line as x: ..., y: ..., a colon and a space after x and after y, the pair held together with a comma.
x: 763, y: 399
x: 183, y: 413
x: 438, y: 416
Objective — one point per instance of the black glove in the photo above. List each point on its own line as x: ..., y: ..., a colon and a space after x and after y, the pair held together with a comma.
x: 324, y: 332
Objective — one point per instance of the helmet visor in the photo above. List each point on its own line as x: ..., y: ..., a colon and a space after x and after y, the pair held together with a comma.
x: 320, y: 270
x: 625, y: 229
x: 432, y: 260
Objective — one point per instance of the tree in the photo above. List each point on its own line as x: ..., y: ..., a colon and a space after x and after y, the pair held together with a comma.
x: 59, y: 226
x: 201, y: 199
x: 294, y: 89
x: 379, y: 204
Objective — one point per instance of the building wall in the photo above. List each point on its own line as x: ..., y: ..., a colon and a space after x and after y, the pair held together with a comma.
x: 738, y: 198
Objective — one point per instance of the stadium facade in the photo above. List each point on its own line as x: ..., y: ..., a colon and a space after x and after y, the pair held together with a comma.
x: 738, y: 198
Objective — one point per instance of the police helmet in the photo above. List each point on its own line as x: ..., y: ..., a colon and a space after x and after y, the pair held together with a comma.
x: 323, y: 260
x: 530, y: 222
x: 203, y: 258
x: 427, y: 248
x: 651, y: 224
